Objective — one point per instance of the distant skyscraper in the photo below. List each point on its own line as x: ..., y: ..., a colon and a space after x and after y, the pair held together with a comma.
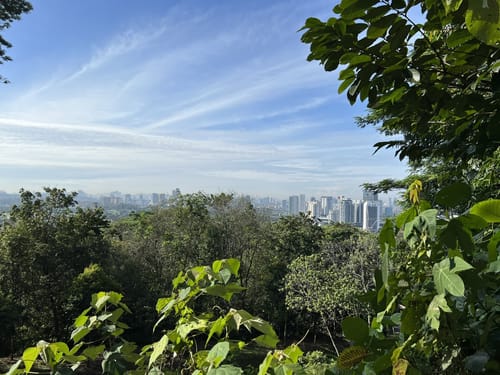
x: 284, y: 205
x: 293, y: 205
x: 358, y: 213
x: 346, y: 211
x: 326, y: 205
x: 371, y: 216
x: 302, y: 203
x: 155, y: 198
x: 313, y: 208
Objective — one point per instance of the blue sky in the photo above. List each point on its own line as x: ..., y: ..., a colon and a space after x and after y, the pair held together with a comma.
x: 213, y: 96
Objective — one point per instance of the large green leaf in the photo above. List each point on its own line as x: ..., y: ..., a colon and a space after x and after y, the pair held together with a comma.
x: 454, y: 194
x: 451, y: 5
x: 158, y: 349
x: 29, y: 356
x: 218, y: 353
x: 266, y: 364
x: 457, y: 264
x: 216, y: 327
x: 446, y: 280
x: 267, y: 341
x: 455, y: 233
x: 405, y: 217
x: 93, y: 352
x: 225, y: 370
x: 458, y: 37
x: 386, y: 235
x: 489, y: 210
x: 355, y: 329
x: 483, y: 20
x: 79, y: 334
x: 493, y: 247
x: 185, y: 329
x: 224, y: 291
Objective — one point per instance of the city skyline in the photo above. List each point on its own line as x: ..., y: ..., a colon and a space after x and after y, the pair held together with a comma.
x: 204, y: 96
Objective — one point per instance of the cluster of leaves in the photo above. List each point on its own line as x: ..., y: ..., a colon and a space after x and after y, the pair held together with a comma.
x: 327, y: 284
x: 439, y: 311
x: 435, y: 83
x: 98, y: 334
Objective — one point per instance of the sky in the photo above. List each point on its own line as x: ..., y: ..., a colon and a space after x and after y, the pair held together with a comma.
x: 149, y: 96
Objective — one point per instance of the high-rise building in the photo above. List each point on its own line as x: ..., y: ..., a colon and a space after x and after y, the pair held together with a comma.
x: 326, y: 203
x: 346, y: 211
x: 284, y: 205
x: 302, y: 203
x: 293, y: 205
x: 155, y: 198
x: 371, y: 216
x: 313, y: 208
x: 358, y: 213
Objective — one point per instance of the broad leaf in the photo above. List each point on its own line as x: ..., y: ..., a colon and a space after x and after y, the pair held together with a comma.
x: 489, y: 210
x: 218, y: 353
x: 158, y: 349
x: 451, y: 5
x: 94, y: 351
x: 355, y: 329
x: 459, y: 265
x: 482, y: 19
x: 447, y: 280
x: 454, y: 194
x: 225, y: 370
x: 224, y: 291
x: 29, y: 357
x: 386, y: 235
x: 493, y: 247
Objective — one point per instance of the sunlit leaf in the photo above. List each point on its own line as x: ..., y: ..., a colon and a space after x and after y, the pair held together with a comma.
x: 489, y: 210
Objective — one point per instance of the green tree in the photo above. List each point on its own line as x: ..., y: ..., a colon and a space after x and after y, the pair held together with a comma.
x: 287, y: 239
x: 327, y: 284
x: 44, y: 246
x: 433, y: 87
x: 434, y: 84
x: 150, y: 248
x: 10, y: 11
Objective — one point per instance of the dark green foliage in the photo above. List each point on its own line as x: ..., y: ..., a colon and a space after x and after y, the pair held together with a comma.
x: 434, y: 84
x: 443, y: 298
x: 154, y: 246
x: 10, y: 11
x: 288, y: 238
x: 44, y: 246
x: 431, y: 86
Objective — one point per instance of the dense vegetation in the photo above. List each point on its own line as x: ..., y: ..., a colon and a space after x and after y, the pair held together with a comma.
x: 432, y: 305
x: 55, y: 255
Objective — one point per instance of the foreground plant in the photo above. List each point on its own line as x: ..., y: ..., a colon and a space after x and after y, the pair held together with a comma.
x: 440, y: 311
x: 98, y: 333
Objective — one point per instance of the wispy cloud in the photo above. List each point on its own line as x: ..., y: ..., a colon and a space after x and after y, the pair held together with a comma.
x: 201, y: 96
